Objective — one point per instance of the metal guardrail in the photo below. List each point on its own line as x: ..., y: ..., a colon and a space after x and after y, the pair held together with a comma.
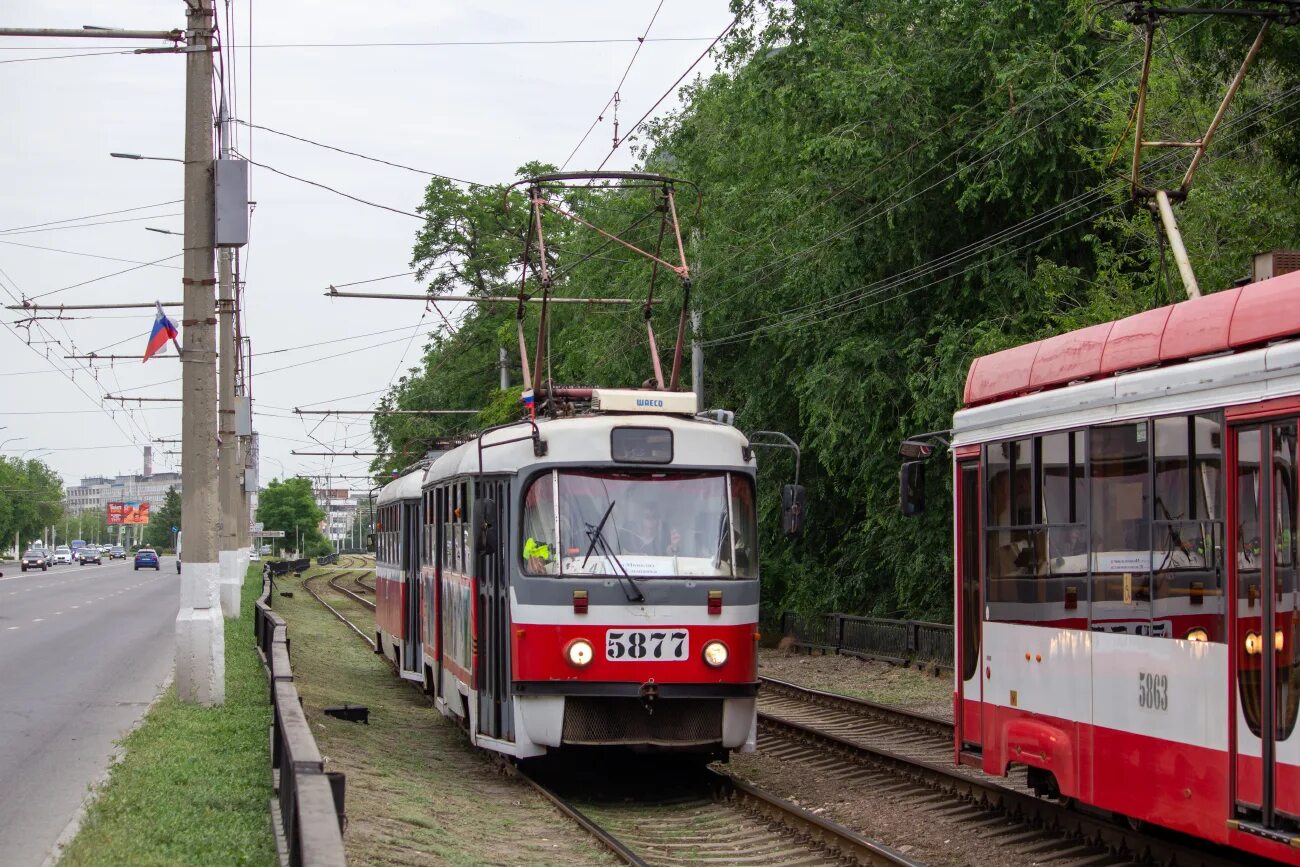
x: 284, y: 567
x: 308, y: 808
x: 898, y: 641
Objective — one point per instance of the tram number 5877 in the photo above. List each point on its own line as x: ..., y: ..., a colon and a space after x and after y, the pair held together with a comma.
x: 630, y: 645
x: 1153, y: 690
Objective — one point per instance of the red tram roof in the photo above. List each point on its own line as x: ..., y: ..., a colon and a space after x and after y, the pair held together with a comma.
x: 1234, y: 319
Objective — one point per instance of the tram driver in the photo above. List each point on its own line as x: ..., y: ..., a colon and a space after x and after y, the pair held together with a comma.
x: 649, y: 534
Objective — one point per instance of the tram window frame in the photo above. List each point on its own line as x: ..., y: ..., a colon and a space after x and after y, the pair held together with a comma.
x: 1173, y: 570
x: 1019, y: 463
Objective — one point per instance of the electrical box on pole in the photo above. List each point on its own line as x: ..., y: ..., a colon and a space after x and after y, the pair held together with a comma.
x: 232, y: 202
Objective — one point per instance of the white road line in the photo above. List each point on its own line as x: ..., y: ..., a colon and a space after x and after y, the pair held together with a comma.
x: 38, y: 620
x: 12, y: 628
x: 57, y: 613
x: 76, y: 606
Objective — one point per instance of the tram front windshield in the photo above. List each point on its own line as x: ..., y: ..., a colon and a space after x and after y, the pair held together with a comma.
x: 654, y: 525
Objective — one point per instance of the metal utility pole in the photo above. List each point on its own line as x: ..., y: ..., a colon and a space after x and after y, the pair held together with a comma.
x: 231, y: 580
x: 503, y: 362
x: 200, y: 630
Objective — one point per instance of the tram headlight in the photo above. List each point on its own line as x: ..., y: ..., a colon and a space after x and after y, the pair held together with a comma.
x: 1279, y: 641
x: 1198, y: 634
x: 715, y: 654
x: 1253, y: 644
x: 579, y: 653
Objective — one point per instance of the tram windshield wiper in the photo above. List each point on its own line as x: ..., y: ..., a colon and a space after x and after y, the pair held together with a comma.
x: 600, y: 527
x: 598, y: 542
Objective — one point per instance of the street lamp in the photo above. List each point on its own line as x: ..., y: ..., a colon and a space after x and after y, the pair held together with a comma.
x: 140, y: 157
x: 164, y: 231
x: 10, y: 440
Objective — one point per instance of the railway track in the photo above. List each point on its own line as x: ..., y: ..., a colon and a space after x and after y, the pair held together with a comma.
x: 909, y: 756
x: 707, y: 816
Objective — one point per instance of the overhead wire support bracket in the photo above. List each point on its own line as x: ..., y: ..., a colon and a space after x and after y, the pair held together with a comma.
x: 471, y: 299
x: 385, y: 411
x: 1160, y: 201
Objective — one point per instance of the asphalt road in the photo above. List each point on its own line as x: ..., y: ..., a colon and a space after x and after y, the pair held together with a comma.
x: 83, y: 652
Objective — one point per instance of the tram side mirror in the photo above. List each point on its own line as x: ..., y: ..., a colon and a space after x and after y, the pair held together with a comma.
x: 793, y: 498
x: 485, y: 520
x: 911, y: 488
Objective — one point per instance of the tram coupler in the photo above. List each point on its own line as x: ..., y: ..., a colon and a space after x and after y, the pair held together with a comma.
x: 649, y: 692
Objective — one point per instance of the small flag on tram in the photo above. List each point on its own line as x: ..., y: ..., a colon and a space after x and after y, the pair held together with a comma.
x: 527, y: 398
x: 163, y: 330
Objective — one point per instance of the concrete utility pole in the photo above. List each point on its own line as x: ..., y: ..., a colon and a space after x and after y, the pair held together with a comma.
x: 229, y: 468
x: 503, y: 362
x: 200, y: 630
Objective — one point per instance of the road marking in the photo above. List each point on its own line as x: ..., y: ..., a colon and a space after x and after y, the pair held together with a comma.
x: 12, y: 628
x: 57, y: 613
x: 76, y: 606
x: 38, y: 620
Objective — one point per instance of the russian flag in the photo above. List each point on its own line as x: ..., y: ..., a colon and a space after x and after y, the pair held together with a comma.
x: 163, y: 330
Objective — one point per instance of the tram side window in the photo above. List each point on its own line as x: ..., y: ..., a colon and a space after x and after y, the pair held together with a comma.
x: 1120, y: 469
x: 1036, y: 543
x: 540, y: 544
x: 1187, y: 528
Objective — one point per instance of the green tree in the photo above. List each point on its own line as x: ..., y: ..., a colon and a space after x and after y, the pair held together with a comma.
x: 31, y: 499
x: 159, y: 533
x: 890, y: 189
x: 290, y: 505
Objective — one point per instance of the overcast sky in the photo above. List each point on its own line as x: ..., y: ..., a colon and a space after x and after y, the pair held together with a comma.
x: 471, y: 111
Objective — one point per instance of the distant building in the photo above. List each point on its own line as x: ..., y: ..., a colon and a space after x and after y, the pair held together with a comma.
x: 96, y: 492
x: 340, y: 508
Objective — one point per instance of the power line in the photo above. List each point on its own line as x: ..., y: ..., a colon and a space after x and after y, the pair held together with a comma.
x: 446, y: 43
x: 814, y: 315
x: 359, y: 155
x: 600, y: 115
x: 680, y: 79
x: 88, y: 225
x: 87, y: 255
x: 101, y: 277
x: 329, y: 188
x: 93, y: 216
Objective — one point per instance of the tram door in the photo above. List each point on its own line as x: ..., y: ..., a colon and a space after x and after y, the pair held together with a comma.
x: 413, y: 516
x: 495, y: 716
x: 1266, y: 752
x: 970, y: 609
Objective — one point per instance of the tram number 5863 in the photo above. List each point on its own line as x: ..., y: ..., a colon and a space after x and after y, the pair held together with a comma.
x: 1153, y: 690
x: 631, y: 645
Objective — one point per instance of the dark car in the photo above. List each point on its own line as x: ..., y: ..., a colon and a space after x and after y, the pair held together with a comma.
x: 117, y: 552
x: 89, y: 554
x: 36, y: 559
x: 148, y: 558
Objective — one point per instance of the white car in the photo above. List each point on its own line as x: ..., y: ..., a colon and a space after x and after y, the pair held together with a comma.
x: 62, y: 556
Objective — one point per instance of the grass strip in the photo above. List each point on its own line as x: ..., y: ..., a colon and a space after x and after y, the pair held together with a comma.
x: 194, y: 783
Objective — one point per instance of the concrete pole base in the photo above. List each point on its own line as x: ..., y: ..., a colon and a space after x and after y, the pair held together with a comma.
x: 241, y: 558
x: 231, y: 583
x: 200, y: 638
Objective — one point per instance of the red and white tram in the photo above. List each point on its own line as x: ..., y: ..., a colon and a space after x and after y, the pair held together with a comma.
x: 581, y: 580
x: 1125, y: 532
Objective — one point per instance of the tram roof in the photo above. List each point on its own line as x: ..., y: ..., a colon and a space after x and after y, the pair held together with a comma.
x: 586, y: 440
x: 1239, y: 318
x: 405, y: 487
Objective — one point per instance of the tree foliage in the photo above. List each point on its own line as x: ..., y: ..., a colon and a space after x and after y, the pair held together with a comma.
x: 290, y: 505
x: 890, y: 188
x: 31, y: 499
x: 159, y: 531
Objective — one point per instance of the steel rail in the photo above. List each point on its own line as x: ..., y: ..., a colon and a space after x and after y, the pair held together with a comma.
x: 306, y: 583
x: 820, y: 831
x: 1117, y: 837
x: 605, y: 838
x: 348, y: 593
x: 861, y: 706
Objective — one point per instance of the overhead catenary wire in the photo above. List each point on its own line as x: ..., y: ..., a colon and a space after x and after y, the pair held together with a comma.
x: 336, y: 192
x: 92, y: 216
x: 600, y: 115
x: 350, y: 153
x: 970, y: 250
x: 619, y: 142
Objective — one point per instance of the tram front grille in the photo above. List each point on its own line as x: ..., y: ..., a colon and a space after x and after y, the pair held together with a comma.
x: 590, y: 720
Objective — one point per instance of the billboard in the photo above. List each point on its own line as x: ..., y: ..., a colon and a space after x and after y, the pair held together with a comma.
x: 128, y: 512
